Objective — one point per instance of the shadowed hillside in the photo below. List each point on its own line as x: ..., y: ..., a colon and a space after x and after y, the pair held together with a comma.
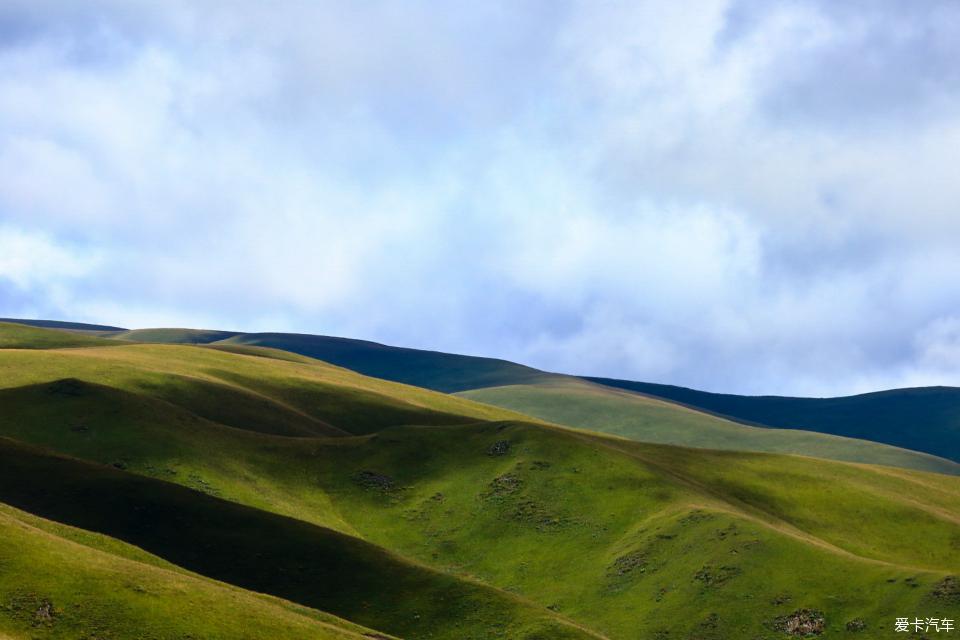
x: 68, y: 326
x: 429, y: 369
x: 255, y: 550
x: 60, y: 582
x: 173, y: 336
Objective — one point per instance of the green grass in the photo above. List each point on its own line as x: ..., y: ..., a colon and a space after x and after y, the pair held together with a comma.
x: 925, y: 418
x: 98, y: 587
x: 922, y: 419
x: 560, y: 399
x: 155, y: 438
x: 431, y: 496
x: 18, y: 336
x: 444, y: 372
x: 428, y: 369
x: 173, y: 336
x: 266, y: 394
x: 65, y: 326
x: 550, y: 518
x: 265, y: 553
x: 585, y: 405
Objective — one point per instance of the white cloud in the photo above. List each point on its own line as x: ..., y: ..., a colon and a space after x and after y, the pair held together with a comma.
x: 30, y: 260
x: 723, y: 193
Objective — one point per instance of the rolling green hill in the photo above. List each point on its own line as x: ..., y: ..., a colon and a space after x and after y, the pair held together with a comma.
x: 526, y: 530
x: 591, y: 527
x: 173, y: 336
x: 924, y: 418
x: 429, y: 369
x: 61, y: 582
x: 18, y: 336
x: 631, y: 539
x: 290, y: 395
x: 260, y: 393
x: 64, y: 326
x: 266, y: 553
x: 578, y: 403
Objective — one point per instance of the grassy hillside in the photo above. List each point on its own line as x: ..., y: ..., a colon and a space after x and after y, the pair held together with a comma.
x: 173, y: 336
x: 203, y: 417
x: 61, y: 582
x: 267, y: 553
x: 585, y: 405
x: 19, y: 336
x: 525, y: 530
x: 64, y: 326
x: 924, y: 418
x: 622, y: 537
x: 429, y: 369
x: 148, y: 436
x: 291, y: 395
x: 637, y: 540
x: 267, y: 394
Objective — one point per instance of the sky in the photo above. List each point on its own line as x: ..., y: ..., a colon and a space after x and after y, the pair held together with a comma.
x: 751, y: 196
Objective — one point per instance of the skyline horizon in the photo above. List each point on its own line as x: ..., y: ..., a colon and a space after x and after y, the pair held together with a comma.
x: 109, y: 327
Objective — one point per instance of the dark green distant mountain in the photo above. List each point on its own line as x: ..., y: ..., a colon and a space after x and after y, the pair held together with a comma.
x: 435, y: 370
x: 923, y: 418
x: 59, y: 324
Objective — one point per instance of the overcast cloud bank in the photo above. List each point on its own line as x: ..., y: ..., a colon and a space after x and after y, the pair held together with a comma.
x: 736, y: 195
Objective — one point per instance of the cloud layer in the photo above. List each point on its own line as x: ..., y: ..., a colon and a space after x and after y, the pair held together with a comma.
x: 739, y: 195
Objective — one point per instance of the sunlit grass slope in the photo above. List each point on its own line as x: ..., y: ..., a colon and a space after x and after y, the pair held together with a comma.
x: 18, y: 336
x: 269, y: 394
x: 637, y: 540
x: 60, y: 582
x: 266, y: 553
x: 202, y: 417
x: 923, y: 418
x: 581, y: 404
